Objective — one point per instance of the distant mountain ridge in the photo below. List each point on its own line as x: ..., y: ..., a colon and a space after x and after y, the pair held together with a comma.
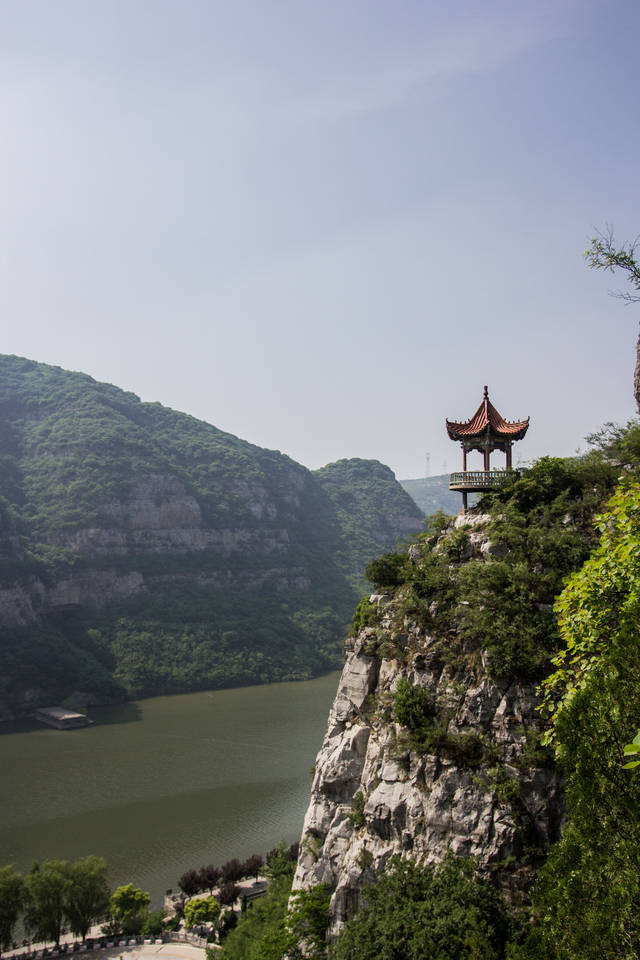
x: 143, y: 551
x: 432, y: 494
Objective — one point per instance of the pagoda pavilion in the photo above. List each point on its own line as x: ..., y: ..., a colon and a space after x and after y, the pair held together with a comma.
x: 485, y: 431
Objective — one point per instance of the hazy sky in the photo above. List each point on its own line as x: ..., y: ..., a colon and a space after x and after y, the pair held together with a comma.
x: 323, y: 226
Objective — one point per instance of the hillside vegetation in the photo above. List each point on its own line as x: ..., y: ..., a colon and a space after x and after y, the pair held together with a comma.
x: 144, y: 551
x: 537, y: 588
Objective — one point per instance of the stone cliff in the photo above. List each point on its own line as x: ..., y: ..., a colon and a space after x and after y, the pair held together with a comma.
x: 482, y: 786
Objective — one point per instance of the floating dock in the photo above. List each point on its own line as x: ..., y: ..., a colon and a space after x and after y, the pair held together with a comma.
x: 62, y: 719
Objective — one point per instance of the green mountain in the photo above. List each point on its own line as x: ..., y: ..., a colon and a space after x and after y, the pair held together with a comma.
x: 432, y: 494
x: 143, y: 551
x: 371, y: 508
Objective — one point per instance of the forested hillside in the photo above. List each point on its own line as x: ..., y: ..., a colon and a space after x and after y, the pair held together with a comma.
x: 144, y: 551
x: 371, y: 507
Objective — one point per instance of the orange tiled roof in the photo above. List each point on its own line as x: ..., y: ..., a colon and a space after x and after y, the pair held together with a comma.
x: 487, y: 416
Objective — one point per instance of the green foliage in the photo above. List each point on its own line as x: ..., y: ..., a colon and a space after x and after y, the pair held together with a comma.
x: 413, y: 707
x: 359, y: 490
x: 630, y: 750
x: 129, y: 907
x: 356, y: 817
x: 11, y: 900
x: 261, y: 933
x: 47, y: 887
x: 619, y: 443
x: 307, y: 922
x: 387, y: 571
x: 202, y: 910
x: 601, y: 602
x: 539, y: 531
x: 587, y: 896
x: 442, y: 913
x: 154, y: 923
x: 605, y: 254
x: 365, y: 615
x: 88, y: 896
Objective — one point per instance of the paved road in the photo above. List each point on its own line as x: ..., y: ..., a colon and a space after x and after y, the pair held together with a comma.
x: 164, y: 951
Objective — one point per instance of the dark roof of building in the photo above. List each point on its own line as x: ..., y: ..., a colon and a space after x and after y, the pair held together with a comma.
x: 487, y: 416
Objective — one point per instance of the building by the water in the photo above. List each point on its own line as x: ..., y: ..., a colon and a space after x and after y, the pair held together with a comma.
x: 62, y: 719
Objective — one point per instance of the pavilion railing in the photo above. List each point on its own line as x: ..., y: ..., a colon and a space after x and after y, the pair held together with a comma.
x: 481, y: 479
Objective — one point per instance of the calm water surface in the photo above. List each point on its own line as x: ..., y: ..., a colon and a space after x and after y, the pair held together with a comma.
x: 162, y: 785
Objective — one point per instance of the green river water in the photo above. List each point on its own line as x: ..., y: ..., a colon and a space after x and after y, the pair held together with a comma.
x: 161, y: 785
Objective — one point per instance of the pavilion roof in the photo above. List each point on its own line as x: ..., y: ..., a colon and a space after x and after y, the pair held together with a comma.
x: 487, y: 416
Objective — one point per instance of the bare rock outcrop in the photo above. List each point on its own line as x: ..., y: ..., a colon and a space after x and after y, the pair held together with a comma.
x: 375, y: 795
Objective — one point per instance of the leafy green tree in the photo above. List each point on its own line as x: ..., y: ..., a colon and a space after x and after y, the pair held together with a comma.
x: 280, y: 862
x: 11, y: 901
x: 204, y: 910
x: 261, y: 933
x: 153, y: 924
x: 387, y: 570
x: 444, y: 912
x: 631, y: 750
x: 87, y: 898
x: 587, y: 896
x: 599, y: 605
x: 129, y: 906
x: 307, y: 922
x: 47, y: 888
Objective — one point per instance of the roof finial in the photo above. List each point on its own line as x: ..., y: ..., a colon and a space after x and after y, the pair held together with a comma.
x: 486, y: 392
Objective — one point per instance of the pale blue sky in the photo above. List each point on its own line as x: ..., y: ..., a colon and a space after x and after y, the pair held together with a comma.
x: 324, y: 226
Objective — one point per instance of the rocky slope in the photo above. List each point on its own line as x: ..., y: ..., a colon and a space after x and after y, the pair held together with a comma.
x: 143, y: 551
x: 481, y: 786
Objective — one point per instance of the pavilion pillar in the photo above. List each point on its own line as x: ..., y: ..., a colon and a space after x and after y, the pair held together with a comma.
x: 486, y: 456
x: 508, y: 452
x: 464, y: 459
x: 464, y: 501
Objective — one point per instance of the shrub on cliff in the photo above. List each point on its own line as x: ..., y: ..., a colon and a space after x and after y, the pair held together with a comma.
x: 537, y: 531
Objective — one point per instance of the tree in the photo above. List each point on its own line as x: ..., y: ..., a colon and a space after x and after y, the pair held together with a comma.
x: 605, y: 254
x: 253, y: 866
x: 587, y: 895
x: 446, y: 912
x: 209, y: 877
x: 129, y: 906
x: 11, y: 900
x: 87, y: 898
x: 261, y: 933
x: 308, y: 920
x: 228, y: 894
x: 232, y: 870
x: 153, y: 924
x: 190, y: 883
x: 47, y: 889
x: 197, y: 912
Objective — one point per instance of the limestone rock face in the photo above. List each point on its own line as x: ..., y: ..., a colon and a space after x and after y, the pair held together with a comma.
x: 374, y: 795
